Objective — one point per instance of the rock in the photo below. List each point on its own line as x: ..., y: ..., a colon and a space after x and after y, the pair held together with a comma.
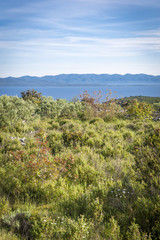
x: 22, y: 140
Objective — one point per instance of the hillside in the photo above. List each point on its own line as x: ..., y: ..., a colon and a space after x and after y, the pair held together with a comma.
x: 82, y: 79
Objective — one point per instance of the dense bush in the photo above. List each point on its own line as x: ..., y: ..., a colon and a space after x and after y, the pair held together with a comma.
x: 85, y: 169
x: 140, y: 109
x: 14, y: 109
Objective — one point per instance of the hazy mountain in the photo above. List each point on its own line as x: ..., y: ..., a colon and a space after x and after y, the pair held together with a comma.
x: 82, y: 79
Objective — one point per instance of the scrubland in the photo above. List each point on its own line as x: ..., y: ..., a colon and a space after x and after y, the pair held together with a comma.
x: 83, y: 169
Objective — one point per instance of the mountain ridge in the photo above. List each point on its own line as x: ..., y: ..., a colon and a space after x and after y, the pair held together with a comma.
x: 81, y: 79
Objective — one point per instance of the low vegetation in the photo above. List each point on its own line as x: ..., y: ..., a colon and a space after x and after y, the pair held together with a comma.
x: 84, y: 169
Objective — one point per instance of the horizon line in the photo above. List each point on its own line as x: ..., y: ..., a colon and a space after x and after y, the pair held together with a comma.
x: 80, y: 74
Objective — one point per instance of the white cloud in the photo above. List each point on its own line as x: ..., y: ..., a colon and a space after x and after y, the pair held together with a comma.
x: 151, y: 33
x: 78, y: 31
x: 84, y: 46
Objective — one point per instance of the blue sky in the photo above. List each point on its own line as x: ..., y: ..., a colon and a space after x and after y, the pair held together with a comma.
x: 51, y: 37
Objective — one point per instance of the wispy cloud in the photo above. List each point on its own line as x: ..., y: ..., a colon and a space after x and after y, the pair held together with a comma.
x: 85, y: 46
x: 153, y: 33
x: 85, y: 30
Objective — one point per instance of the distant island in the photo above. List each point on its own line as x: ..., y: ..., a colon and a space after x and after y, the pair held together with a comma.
x: 82, y: 80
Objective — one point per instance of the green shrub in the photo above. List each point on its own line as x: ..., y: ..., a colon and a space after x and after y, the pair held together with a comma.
x: 156, y: 106
x: 113, y: 230
x: 140, y: 110
x: 128, y: 135
x: 13, y: 109
x: 134, y: 233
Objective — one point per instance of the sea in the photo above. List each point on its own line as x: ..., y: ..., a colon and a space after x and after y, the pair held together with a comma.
x: 71, y: 92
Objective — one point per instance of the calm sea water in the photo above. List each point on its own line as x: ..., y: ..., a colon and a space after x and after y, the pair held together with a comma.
x: 69, y: 92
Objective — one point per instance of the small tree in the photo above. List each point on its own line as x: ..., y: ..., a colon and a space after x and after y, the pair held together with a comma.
x: 98, y: 106
x: 32, y: 95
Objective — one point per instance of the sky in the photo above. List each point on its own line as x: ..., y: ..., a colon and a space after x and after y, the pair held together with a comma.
x: 50, y: 37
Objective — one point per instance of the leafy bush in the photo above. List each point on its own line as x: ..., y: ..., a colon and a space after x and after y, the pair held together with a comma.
x: 140, y: 109
x: 13, y: 109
